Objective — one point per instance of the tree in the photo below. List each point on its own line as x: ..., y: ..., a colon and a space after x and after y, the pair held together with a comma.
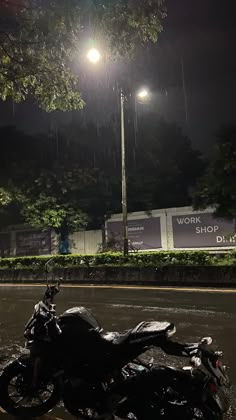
x: 166, y: 167
x: 55, y: 199
x: 39, y: 40
x: 217, y: 188
x: 5, y: 197
x: 73, y: 183
x: 9, y: 209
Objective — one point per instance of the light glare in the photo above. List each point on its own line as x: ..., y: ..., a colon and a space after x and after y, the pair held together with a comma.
x: 143, y: 93
x: 94, y: 55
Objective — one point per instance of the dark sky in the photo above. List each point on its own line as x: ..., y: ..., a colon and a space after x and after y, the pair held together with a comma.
x: 199, y: 38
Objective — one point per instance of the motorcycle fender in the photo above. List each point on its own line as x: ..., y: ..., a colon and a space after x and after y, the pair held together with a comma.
x: 218, y: 401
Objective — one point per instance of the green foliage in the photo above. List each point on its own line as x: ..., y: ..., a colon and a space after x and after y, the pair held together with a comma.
x: 35, y: 55
x: 229, y: 259
x: 39, y: 46
x: 5, y: 197
x: 53, y: 199
x: 217, y: 187
x: 167, y: 167
x: 123, y: 24
x: 8, y: 211
x: 70, y: 178
x: 154, y: 259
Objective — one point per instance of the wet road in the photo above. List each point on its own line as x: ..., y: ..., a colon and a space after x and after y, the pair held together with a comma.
x: 195, y: 313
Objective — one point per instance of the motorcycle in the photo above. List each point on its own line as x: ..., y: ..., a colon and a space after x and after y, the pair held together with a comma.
x: 98, y: 374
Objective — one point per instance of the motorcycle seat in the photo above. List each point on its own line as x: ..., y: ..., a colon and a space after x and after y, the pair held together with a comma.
x: 116, y: 337
x: 152, y: 329
x: 142, y: 331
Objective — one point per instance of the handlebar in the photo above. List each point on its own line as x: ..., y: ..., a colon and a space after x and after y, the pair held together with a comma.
x: 50, y: 293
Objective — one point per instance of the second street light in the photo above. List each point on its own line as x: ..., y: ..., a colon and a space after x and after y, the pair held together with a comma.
x: 94, y: 56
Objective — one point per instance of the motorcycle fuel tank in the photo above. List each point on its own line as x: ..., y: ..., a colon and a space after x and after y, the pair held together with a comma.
x: 80, y: 317
x: 81, y: 336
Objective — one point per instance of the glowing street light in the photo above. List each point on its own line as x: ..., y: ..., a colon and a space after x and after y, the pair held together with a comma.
x: 94, y: 55
x: 142, y: 94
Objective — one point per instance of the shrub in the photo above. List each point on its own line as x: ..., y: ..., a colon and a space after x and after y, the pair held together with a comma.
x: 140, y: 259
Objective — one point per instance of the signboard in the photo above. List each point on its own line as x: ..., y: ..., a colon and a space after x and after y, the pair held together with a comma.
x: 5, y: 245
x: 202, y: 230
x: 143, y: 234
x: 33, y: 243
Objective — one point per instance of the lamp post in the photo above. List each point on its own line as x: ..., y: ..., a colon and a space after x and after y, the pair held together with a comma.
x: 94, y: 56
x: 123, y: 176
x: 142, y: 94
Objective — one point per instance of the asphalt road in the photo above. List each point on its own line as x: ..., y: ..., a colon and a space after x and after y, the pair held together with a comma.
x: 195, y: 312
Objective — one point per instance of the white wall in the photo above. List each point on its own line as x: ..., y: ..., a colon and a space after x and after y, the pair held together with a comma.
x: 85, y: 242
x: 198, y: 228
x: 89, y: 242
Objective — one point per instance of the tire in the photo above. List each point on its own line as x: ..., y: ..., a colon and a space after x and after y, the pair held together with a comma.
x: 188, y: 410
x: 15, y: 396
x: 189, y: 407
x: 193, y: 413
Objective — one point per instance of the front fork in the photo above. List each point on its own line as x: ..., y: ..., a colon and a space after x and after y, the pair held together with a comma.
x: 36, y: 371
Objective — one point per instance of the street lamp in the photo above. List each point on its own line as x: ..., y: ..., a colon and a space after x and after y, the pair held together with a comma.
x: 94, y: 56
x: 144, y: 93
x: 123, y: 177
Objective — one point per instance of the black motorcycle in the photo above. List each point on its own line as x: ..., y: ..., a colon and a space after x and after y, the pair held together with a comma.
x: 98, y: 374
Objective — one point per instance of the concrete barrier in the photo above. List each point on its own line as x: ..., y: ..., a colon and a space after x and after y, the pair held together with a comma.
x: 205, y: 276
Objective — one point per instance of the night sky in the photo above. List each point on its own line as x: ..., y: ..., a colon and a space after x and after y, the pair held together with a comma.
x: 198, y: 46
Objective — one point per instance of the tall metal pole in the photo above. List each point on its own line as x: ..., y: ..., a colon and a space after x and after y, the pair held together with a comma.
x: 123, y: 177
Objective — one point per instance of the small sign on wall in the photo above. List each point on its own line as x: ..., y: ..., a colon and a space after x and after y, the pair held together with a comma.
x: 33, y: 243
x: 143, y: 234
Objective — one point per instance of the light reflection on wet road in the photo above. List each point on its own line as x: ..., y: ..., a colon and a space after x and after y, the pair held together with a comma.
x: 195, y: 314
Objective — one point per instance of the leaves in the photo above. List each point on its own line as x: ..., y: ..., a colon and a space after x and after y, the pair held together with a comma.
x: 53, y: 200
x: 36, y: 58
x: 5, y: 197
x: 77, y: 178
x: 116, y: 259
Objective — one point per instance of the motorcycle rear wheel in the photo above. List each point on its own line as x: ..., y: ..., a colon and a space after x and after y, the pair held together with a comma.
x: 19, y: 400
x: 148, y: 408
x: 195, y: 414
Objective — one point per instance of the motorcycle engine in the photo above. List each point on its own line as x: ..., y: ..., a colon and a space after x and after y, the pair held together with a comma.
x: 80, y: 394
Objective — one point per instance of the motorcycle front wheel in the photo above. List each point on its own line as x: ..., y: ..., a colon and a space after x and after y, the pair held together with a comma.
x: 17, y: 397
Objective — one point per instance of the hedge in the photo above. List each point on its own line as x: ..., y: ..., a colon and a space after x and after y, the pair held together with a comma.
x: 140, y: 259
